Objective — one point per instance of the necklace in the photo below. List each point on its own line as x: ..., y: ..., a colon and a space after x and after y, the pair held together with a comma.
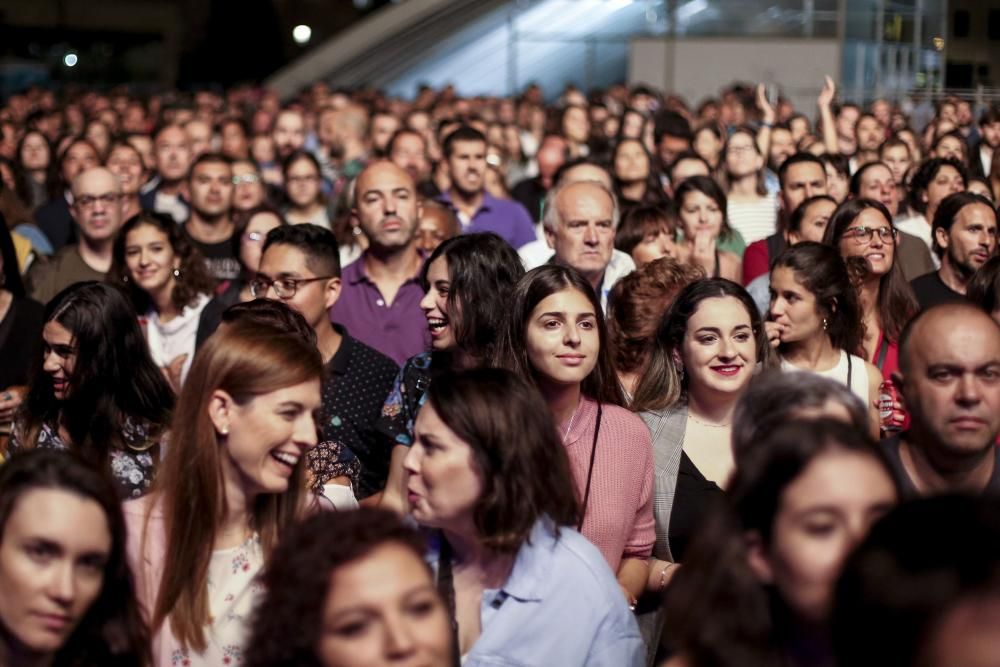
x: 709, y: 424
x: 571, y: 418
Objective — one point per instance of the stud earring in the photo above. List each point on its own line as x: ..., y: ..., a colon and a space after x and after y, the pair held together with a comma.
x: 356, y: 231
x: 825, y: 324
x: 124, y: 279
x: 177, y: 273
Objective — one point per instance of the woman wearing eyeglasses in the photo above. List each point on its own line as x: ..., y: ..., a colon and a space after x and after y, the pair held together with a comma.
x: 248, y: 188
x: 863, y: 228
x: 815, y: 320
x: 304, y: 190
x: 169, y: 285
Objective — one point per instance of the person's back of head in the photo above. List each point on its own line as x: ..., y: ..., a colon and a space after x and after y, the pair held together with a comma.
x: 896, y: 596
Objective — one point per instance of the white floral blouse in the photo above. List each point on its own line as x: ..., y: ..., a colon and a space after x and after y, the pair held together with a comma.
x: 233, y: 592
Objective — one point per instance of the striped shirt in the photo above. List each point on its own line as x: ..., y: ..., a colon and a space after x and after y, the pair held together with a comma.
x: 755, y: 220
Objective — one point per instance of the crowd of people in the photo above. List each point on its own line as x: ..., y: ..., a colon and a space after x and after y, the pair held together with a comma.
x: 347, y: 380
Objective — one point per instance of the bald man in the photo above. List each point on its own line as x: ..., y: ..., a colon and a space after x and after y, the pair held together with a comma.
x: 381, y: 291
x: 949, y: 381
x: 97, y: 215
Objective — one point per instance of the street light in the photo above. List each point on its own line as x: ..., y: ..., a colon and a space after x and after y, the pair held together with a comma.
x: 301, y: 34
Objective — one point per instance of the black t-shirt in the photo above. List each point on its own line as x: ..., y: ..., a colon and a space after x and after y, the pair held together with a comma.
x: 356, y: 382
x: 220, y: 258
x: 890, y: 446
x: 931, y: 291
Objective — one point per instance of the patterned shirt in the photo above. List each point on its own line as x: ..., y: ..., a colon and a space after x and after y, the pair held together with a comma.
x: 409, y: 391
x: 355, y: 385
x: 133, y: 469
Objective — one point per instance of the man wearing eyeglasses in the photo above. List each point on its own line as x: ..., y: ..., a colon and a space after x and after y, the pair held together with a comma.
x: 300, y: 267
x: 97, y: 215
x: 965, y: 236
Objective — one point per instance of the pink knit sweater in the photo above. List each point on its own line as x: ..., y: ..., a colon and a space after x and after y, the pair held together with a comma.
x: 619, y: 515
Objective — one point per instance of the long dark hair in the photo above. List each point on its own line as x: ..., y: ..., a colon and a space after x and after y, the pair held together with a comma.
x: 653, y: 194
x: 22, y: 180
x: 482, y: 272
x: 194, y: 279
x: 602, y: 382
x: 716, y: 610
x: 114, y: 378
x: 288, y: 624
x: 112, y: 631
x: 826, y: 275
x: 511, y: 441
x: 896, y: 302
x: 661, y: 385
x: 708, y: 187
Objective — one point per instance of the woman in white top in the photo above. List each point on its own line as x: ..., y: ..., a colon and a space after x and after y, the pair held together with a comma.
x: 232, y: 484
x: 169, y: 285
x: 816, y: 321
x: 751, y: 209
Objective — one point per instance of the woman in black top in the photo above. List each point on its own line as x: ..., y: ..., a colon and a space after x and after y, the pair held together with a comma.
x: 20, y: 332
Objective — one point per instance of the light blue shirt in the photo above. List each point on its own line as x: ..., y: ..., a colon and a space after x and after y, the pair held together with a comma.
x: 560, y: 606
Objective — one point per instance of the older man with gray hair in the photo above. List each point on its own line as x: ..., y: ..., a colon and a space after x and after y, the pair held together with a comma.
x: 97, y: 213
x: 580, y: 222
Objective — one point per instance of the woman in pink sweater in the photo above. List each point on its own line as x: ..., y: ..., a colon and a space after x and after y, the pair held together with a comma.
x: 557, y: 338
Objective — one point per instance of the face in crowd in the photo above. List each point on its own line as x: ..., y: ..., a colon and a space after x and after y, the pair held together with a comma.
x: 585, y: 231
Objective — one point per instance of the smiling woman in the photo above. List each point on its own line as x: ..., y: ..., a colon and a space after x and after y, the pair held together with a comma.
x: 556, y: 339
x: 166, y: 278
x: 703, y: 359
x: 107, y: 403
x: 232, y: 483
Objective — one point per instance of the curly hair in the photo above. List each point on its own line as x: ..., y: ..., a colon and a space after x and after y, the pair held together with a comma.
x: 288, y: 623
x: 194, y: 279
x: 638, y: 303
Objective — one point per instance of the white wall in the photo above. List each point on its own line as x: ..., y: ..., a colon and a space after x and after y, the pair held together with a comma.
x: 697, y: 68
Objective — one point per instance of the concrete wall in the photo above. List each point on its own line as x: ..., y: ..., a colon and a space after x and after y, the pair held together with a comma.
x: 697, y: 68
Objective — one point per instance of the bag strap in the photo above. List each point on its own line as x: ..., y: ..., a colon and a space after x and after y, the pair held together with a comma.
x: 590, y: 468
x: 883, y: 351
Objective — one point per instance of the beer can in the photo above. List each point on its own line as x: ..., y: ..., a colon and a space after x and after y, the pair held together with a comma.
x: 887, y: 397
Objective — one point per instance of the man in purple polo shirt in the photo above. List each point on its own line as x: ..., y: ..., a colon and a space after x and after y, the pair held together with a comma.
x: 479, y: 211
x: 381, y: 291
